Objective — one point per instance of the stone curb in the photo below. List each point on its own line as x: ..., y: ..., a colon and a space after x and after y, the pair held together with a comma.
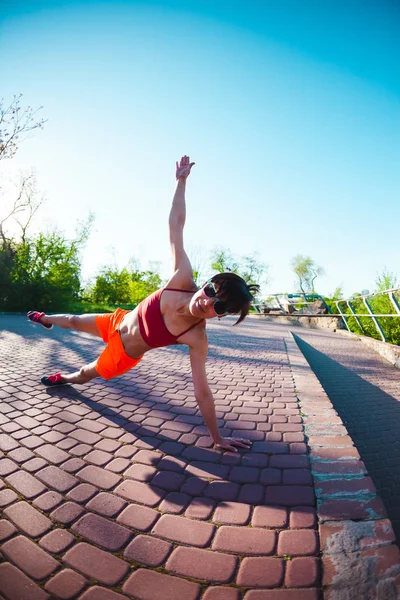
x: 359, y: 557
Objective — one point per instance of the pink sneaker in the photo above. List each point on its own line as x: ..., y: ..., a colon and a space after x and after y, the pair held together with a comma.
x: 51, y: 380
x: 35, y: 317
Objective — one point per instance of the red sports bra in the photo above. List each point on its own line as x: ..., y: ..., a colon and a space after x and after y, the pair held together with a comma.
x: 151, y: 323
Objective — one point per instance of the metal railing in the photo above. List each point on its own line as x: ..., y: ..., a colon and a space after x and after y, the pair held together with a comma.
x: 280, y: 305
x: 390, y: 294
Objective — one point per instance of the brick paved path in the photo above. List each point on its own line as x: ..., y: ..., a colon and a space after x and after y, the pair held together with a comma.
x: 365, y: 391
x: 112, y: 491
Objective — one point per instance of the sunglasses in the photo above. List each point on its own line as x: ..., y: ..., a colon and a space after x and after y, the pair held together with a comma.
x: 218, y: 306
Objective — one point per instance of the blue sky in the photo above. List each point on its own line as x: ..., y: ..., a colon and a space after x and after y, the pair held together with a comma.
x: 290, y: 110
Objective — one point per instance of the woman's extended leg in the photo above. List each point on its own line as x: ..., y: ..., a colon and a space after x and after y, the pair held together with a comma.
x: 86, y: 323
x: 85, y: 374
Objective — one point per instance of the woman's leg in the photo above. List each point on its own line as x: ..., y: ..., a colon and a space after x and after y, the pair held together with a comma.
x: 85, y: 374
x: 86, y: 323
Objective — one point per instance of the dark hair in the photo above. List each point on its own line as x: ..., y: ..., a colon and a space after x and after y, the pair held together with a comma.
x: 235, y: 293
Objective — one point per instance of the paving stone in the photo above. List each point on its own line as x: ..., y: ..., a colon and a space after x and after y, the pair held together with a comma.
x: 15, y: 585
x: 57, y: 541
x: 138, y: 517
x: 302, y: 572
x: 141, y: 472
x: 98, y: 457
x: 106, y: 504
x: 168, y: 480
x: 31, y: 559
x: 102, y: 532
x: 99, y: 477
x: 290, y: 495
x: 57, y: 479
x: 67, y: 513
x: 222, y: 490
x: 140, y: 492
x: 194, y: 486
x: 98, y: 593
x: 52, y: 454
x: 270, y: 516
x: 232, y: 513
x: 289, y: 462
x: 96, y: 564
x: 174, y: 502
x: 296, y: 594
x: 251, y: 494
x: 7, y: 497
x: 200, y: 508
x: 73, y: 465
x: 302, y: 517
x: 344, y: 509
x: 7, y: 529
x: 298, y: 543
x: 28, y: 520
x: 48, y: 501
x: 82, y: 493
x: 221, y: 593
x: 215, y: 567
x: 150, y: 585
x: 7, y: 443
x: 172, y: 463
x: 26, y: 484
x: 148, y: 550
x: 35, y: 464
x: 261, y: 572
x: 148, y: 457
x: 20, y: 455
x: 207, y: 470
x: 182, y: 530
x: 271, y: 476
x: 365, y: 534
x: 66, y: 584
x: 245, y: 540
x: 118, y: 465
x: 244, y: 474
x: 85, y: 437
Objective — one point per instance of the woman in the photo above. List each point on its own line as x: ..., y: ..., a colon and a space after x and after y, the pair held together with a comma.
x: 176, y: 314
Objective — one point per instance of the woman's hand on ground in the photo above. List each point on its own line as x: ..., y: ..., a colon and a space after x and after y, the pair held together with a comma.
x: 232, y: 444
x: 183, y: 168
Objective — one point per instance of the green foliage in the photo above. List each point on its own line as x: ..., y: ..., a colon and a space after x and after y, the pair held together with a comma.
x: 42, y: 271
x: 129, y: 285
x: 386, y: 280
x: 249, y: 267
x: 380, y: 304
x: 223, y: 261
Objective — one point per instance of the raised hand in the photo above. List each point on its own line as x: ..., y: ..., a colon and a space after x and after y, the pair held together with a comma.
x: 183, y: 168
x: 230, y: 443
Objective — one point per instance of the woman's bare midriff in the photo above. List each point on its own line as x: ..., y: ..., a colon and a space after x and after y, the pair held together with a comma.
x: 131, y: 339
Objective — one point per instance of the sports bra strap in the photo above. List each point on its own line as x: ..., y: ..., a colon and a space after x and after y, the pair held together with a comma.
x: 189, y: 328
x: 176, y: 290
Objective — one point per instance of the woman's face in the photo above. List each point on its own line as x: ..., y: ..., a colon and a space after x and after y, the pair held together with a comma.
x: 202, y: 307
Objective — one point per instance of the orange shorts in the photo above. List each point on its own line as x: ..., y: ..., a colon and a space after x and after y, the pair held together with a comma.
x: 113, y: 361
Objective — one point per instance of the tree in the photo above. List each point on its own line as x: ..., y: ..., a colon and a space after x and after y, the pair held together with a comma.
x: 337, y: 294
x: 223, y: 260
x: 14, y: 122
x: 307, y: 271
x: 252, y: 270
x: 386, y: 280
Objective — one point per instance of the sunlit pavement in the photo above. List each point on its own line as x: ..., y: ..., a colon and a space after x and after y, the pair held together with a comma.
x: 112, y: 490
